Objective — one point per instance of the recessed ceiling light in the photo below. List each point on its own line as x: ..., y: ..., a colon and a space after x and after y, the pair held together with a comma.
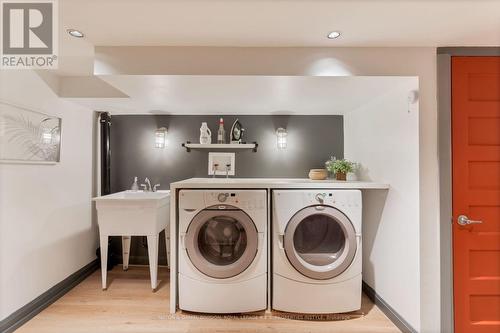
x: 333, y: 35
x: 75, y: 33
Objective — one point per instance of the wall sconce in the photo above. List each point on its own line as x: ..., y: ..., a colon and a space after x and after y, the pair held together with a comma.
x: 281, y: 138
x: 160, y: 137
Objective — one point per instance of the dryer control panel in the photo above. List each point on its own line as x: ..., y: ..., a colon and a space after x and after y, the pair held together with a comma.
x: 288, y: 202
x: 332, y: 198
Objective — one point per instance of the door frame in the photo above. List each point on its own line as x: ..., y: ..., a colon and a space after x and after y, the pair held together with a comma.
x: 444, y: 55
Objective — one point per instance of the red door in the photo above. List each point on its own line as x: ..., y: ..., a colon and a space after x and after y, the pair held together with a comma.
x: 476, y: 193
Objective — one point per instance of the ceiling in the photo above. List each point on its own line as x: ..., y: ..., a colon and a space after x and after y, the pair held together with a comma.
x: 219, y: 95
x: 263, y: 23
x: 303, y: 23
x: 285, y: 22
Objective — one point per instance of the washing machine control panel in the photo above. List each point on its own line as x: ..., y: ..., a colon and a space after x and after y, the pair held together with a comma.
x: 222, y: 197
x: 241, y: 199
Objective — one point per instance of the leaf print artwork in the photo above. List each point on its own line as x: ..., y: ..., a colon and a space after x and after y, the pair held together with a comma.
x: 28, y: 136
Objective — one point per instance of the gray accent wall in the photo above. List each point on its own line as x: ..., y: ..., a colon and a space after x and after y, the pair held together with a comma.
x: 311, y: 141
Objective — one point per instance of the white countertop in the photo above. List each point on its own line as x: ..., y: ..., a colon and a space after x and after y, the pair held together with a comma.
x: 273, y: 183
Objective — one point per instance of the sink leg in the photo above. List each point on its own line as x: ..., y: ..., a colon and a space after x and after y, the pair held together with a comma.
x: 153, y: 260
x: 126, y: 251
x: 104, y: 260
x: 167, y: 245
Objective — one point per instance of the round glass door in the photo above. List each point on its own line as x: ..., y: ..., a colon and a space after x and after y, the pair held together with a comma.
x: 320, y: 242
x: 221, y: 242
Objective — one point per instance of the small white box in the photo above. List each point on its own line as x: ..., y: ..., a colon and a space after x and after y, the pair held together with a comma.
x: 224, y: 161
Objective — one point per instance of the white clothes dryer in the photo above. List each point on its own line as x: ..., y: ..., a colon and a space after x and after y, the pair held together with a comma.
x: 316, y: 251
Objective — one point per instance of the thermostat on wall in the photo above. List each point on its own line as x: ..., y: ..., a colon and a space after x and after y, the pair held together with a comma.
x: 221, y: 164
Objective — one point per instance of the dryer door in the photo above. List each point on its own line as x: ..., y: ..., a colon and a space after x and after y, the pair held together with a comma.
x: 221, y: 241
x: 320, y: 242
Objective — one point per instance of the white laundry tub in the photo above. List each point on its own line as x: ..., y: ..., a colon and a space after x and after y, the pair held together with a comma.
x: 129, y: 214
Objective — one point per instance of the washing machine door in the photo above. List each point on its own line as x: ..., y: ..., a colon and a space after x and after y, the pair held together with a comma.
x: 320, y: 242
x: 221, y: 241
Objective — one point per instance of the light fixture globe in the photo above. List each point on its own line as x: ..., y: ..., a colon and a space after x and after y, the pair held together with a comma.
x: 160, y: 137
x: 281, y: 135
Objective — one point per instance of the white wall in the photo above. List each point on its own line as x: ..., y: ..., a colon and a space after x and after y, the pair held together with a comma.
x: 46, y: 230
x: 382, y: 135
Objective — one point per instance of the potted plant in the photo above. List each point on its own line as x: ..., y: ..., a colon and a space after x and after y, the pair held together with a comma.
x: 340, y: 168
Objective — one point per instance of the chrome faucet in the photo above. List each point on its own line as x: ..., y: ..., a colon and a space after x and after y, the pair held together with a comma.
x: 215, y: 167
x: 147, y: 186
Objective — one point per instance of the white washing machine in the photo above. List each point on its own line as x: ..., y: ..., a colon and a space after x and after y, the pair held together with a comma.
x: 316, y: 251
x: 222, y: 250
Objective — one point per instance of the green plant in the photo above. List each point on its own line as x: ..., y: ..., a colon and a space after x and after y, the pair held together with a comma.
x: 340, y: 166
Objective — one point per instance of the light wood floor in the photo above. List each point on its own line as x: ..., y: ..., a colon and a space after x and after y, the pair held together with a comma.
x: 129, y: 306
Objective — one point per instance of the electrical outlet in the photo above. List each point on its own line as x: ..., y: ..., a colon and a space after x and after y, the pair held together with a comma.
x: 221, y: 164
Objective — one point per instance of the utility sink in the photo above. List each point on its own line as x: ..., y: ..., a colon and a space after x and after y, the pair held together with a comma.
x: 140, y: 196
x: 128, y: 214
x: 133, y: 213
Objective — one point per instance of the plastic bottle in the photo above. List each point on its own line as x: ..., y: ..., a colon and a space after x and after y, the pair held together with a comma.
x: 135, y: 186
x: 205, y: 134
x: 221, y: 133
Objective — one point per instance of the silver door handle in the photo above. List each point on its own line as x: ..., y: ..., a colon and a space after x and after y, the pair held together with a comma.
x: 464, y: 220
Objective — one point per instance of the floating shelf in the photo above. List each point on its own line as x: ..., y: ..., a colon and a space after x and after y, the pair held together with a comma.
x: 188, y: 145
